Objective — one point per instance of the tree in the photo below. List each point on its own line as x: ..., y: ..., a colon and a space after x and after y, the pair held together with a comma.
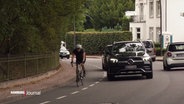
x: 109, y: 13
x: 37, y: 26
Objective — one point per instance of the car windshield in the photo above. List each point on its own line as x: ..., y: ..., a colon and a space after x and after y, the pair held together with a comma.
x: 176, y: 47
x: 148, y: 44
x: 63, y: 49
x: 128, y: 47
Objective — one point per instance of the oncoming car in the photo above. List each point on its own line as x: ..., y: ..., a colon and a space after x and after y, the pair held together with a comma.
x: 174, y: 56
x: 129, y: 58
x: 64, y: 53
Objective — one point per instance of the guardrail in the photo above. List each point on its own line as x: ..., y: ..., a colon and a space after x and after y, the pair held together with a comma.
x: 16, y: 67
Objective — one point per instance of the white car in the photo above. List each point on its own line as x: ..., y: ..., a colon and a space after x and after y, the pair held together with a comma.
x: 64, y: 53
x: 174, y: 56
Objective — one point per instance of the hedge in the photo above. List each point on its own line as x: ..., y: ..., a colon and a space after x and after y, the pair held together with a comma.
x: 158, y: 52
x: 94, y: 42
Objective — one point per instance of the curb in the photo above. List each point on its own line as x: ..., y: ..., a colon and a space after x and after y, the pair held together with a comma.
x: 99, y: 57
x: 159, y: 60
x: 32, y: 79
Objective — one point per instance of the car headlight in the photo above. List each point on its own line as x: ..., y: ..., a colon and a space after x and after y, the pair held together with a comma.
x: 146, y: 59
x: 67, y: 52
x: 114, y: 60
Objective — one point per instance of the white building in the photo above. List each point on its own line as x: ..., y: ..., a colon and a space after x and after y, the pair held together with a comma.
x: 146, y: 24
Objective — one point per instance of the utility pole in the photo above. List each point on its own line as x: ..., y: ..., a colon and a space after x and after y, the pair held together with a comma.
x: 160, y: 28
x: 74, y: 35
x: 74, y: 28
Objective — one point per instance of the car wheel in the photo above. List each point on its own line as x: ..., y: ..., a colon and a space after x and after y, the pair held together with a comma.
x: 110, y: 77
x: 103, y: 67
x: 166, y: 67
x: 149, y: 75
x: 153, y: 59
x: 68, y: 57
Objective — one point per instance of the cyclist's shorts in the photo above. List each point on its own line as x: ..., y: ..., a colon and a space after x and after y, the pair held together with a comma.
x: 80, y: 61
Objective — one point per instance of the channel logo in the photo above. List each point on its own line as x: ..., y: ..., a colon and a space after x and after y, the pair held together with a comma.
x: 26, y: 93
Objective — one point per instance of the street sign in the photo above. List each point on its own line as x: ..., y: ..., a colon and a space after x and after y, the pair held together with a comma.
x: 166, y: 39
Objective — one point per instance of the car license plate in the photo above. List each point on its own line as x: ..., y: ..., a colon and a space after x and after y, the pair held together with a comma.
x: 130, y: 67
x: 180, y: 55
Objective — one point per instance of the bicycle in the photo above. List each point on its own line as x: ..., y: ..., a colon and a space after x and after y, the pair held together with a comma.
x: 79, y: 74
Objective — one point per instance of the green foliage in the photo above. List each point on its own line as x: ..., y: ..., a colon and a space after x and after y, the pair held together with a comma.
x: 158, y: 52
x: 94, y: 42
x: 110, y: 13
x: 37, y: 26
x: 157, y: 45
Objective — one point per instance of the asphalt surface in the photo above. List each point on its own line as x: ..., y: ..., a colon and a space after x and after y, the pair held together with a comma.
x: 166, y: 87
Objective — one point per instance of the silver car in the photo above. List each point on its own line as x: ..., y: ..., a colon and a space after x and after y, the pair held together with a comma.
x: 174, y: 56
x: 150, y: 47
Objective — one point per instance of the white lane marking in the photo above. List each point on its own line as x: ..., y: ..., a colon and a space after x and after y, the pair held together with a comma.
x: 61, y: 97
x: 91, y: 85
x: 97, y: 82
x: 85, y: 88
x: 46, y: 102
x: 75, y: 92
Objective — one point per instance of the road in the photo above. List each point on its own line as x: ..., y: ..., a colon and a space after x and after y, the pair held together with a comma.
x: 167, y: 87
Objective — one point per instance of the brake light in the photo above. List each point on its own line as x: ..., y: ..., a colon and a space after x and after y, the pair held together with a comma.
x: 169, y: 54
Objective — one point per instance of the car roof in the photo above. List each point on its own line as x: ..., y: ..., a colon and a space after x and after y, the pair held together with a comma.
x: 176, y: 43
x: 127, y: 42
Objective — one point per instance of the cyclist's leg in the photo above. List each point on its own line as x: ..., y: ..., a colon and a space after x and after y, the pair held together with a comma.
x: 81, y: 63
x: 83, y: 69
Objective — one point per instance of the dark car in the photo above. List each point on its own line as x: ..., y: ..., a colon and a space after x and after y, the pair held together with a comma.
x: 105, y: 56
x: 129, y: 58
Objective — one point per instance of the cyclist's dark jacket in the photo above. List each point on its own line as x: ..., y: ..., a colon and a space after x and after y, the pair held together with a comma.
x: 79, y: 55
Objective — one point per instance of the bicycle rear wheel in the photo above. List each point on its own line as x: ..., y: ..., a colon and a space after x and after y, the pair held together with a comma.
x: 79, y: 76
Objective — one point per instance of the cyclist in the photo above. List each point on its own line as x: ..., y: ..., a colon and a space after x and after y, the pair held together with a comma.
x: 80, y: 56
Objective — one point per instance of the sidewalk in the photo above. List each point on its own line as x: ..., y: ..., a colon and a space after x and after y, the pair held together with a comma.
x: 94, y: 56
x: 48, y: 81
x: 159, y: 58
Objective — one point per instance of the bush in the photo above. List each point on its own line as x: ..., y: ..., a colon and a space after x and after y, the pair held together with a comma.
x: 94, y: 42
x: 158, y: 51
x: 157, y: 45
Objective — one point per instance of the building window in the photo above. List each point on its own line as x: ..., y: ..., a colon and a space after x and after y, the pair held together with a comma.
x: 141, y: 12
x: 158, y: 9
x: 157, y: 34
x: 138, y: 31
x: 151, y: 9
x: 151, y: 33
x: 138, y: 36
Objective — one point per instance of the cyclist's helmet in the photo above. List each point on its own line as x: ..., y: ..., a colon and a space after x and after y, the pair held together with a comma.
x: 79, y: 46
